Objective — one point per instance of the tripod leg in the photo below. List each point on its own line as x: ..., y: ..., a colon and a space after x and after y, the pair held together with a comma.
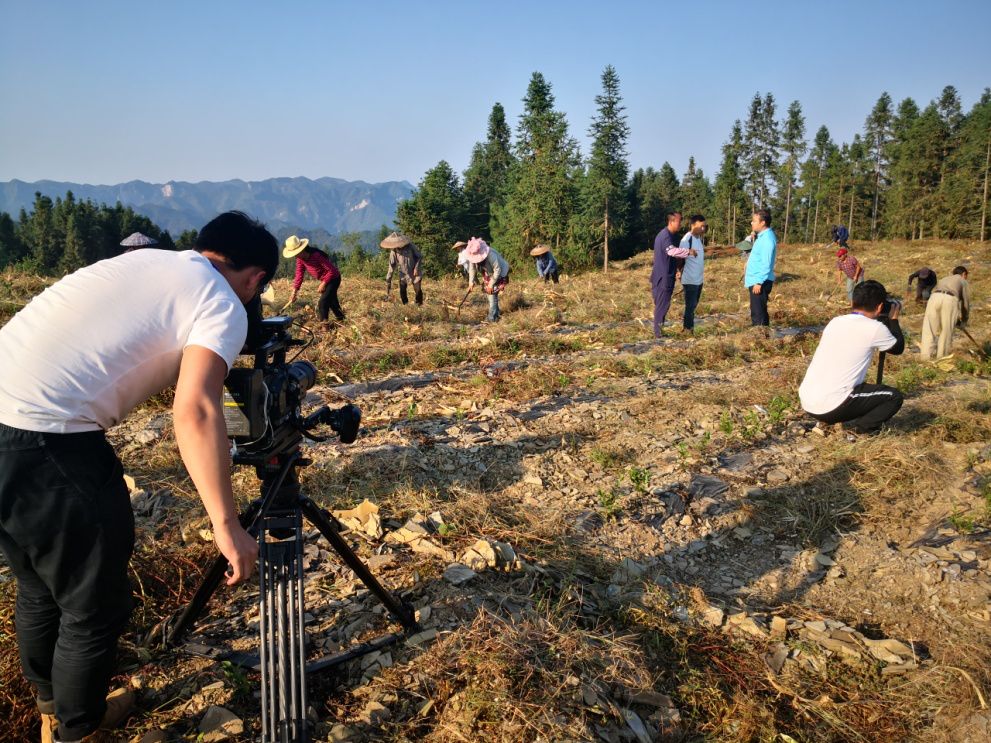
x: 331, y: 532
x: 281, y: 630
x: 174, y: 632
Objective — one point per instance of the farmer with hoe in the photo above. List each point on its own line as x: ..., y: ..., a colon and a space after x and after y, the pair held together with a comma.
x: 318, y: 264
x: 484, y: 260
x: 404, y: 257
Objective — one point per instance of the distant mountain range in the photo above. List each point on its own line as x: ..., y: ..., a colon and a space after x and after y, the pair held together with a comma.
x: 322, y: 206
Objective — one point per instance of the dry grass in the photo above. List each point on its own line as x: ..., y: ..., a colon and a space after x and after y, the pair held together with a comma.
x: 510, y: 676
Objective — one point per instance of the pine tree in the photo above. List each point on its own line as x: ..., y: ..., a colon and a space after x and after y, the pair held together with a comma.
x: 730, y: 201
x: 695, y: 191
x: 653, y: 195
x: 543, y: 194
x: 760, y: 148
x: 605, y: 183
x: 434, y: 217
x: 794, y: 146
x: 186, y: 240
x: 964, y: 190
x: 916, y: 174
x: 813, y: 177
x: 11, y: 248
x: 878, y: 135
x: 486, y: 178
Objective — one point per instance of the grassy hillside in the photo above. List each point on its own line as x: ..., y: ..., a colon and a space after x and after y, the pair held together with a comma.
x: 695, y: 560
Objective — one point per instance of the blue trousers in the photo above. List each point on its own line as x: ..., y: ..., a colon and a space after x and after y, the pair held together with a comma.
x: 692, y: 294
x: 662, y: 289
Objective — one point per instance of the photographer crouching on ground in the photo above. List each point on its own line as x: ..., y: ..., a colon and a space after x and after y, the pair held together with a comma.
x: 77, y: 359
x: 833, y: 390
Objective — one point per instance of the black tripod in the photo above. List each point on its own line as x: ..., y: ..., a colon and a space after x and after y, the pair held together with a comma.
x: 276, y: 519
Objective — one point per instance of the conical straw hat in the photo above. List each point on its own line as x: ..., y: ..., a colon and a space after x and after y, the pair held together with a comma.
x: 395, y: 241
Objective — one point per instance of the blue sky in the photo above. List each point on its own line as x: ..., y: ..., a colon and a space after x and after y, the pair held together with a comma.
x: 103, y: 92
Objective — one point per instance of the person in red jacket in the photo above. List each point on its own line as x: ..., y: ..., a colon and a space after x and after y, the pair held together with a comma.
x: 318, y: 264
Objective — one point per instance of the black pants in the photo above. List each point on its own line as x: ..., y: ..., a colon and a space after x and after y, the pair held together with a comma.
x: 551, y: 275
x: 328, y: 301
x: 692, y: 294
x: 417, y: 292
x: 867, y: 407
x: 758, y: 304
x: 67, y: 530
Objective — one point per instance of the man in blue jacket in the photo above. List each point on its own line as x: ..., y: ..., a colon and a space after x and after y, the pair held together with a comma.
x: 668, y: 259
x: 759, y: 276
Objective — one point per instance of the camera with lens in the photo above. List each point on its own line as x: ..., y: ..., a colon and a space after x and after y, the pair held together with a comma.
x: 889, y: 304
x: 263, y: 404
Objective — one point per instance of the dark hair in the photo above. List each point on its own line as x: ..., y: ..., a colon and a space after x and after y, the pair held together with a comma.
x: 695, y: 219
x: 242, y: 240
x: 868, y: 295
x: 673, y: 214
x: 765, y: 216
x: 960, y: 270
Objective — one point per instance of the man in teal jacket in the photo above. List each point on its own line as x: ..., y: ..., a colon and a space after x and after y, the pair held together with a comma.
x: 759, y: 276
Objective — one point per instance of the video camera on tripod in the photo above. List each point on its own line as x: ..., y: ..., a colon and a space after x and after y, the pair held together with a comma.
x: 263, y: 413
x: 262, y: 405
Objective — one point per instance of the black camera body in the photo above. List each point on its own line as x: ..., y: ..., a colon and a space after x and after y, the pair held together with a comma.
x: 889, y: 304
x: 262, y: 404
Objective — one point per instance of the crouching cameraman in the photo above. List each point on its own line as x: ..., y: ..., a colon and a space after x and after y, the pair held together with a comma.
x: 833, y: 390
x: 76, y: 361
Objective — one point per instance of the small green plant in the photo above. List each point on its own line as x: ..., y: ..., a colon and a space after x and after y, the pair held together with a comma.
x: 962, y: 522
x: 411, y: 411
x: 603, y: 457
x: 609, y: 506
x: 446, y: 530
x: 751, y: 424
x: 640, y: 479
x: 703, y: 443
x: 683, y: 450
x: 726, y: 423
x: 777, y: 408
x: 236, y: 678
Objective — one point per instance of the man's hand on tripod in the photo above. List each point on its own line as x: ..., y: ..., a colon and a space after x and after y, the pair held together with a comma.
x: 240, y: 549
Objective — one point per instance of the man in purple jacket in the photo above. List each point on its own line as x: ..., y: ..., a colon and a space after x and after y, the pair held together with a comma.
x: 668, y: 257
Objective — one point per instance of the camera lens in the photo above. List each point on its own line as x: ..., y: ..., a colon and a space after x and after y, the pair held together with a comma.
x: 303, y: 373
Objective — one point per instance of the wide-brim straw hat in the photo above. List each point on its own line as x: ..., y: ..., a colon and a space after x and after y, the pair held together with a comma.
x: 294, y: 246
x: 137, y: 240
x: 460, y: 245
x: 395, y: 241
x: 540, y: 250
x: 477, y: 250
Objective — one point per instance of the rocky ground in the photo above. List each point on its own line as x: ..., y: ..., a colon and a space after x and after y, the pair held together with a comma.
x: 605, y: 537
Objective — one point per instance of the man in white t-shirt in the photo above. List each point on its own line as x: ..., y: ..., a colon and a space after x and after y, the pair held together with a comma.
x: 692, y: 273
x: 833, y: 390
x: 76, y: 360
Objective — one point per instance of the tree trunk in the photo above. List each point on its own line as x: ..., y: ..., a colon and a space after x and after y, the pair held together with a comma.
x: 787, y: 210
x: 984, y: 204
x: 877, y: 191
x: 853, y: 195
x: 605, y: 251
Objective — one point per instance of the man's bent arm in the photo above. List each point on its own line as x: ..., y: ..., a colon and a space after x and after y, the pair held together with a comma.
x: 202, y: 438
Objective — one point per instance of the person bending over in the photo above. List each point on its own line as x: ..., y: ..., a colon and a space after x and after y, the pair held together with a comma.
x: 319, y: 265
x: 66, y: 526
x: 833, y: 390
